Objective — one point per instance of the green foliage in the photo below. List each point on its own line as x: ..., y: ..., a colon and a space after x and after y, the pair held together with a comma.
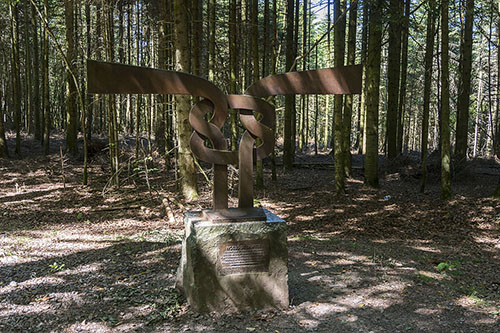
x: 55, y: 267
x: 79, y: 216
x: 448, y: 267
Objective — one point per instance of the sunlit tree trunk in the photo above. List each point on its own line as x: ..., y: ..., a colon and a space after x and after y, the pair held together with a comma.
x: 372, y: 92
x: 185, y: 157
x: 445, y: 105
x: 362, y: 106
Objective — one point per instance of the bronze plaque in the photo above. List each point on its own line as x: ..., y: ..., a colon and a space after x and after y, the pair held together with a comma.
x: 251, y: 256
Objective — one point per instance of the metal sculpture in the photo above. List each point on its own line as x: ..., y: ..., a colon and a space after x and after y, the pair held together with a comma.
x: 112, y: 78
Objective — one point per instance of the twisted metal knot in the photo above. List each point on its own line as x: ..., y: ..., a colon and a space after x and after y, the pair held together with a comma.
x: 220, y: 157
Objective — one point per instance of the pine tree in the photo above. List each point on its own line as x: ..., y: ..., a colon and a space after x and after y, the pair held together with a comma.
x: 372, y: 92
x: 465, y: 67
x: 445, y: 105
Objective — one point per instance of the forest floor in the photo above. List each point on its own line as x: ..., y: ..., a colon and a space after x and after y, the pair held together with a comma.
x: 82, y: 259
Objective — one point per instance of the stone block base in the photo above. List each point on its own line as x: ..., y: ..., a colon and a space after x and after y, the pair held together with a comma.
x: 234, y: 266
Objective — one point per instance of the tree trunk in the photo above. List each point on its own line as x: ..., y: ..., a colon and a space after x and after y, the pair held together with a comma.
x: 28, y: 73
x: 273, y: 71
x: 362, y: 106
x: 233, y: 71
x: 496, y: 141
x: 71, y: 112
x: 289, y: 100
x: 429, y: 52
x: 36, y: 77
x: 465, y: 66
x: 404, y: 70
x: 393, y: 71
x: 211, y: 39
x: 339, y: 45
x: 111, y: 107
x: 185, y: 157
x: 445, y: 105
x: 160, y: 134
x: 89, y: 97
x: 326, y: 131
x: 46, y: 92
x: 372, y: 92
x: 347, y: 117
x: 479, y: 101
x: 16, y: 80
x: 4, y: 151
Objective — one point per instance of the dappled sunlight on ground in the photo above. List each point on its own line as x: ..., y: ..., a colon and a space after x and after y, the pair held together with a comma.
x: 382, y: 260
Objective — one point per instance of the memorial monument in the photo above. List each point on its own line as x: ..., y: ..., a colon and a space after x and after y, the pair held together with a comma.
x: 233, y: 259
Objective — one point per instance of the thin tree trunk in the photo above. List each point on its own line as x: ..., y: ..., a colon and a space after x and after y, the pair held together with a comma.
x: 233, y: 68
x: 404, y: 71
x: 347, y: 117
x: 445, y: 105
x: 16, y: 80
x: 89, y: 97
x: 211, y: 39
x: 362, y: 106
x: 328, y: 64
x: 289, y: 100
x: 372, y: 93
x: 273, y: 71
x: 479, y: 102
x: 46, y: 92
x: 496, y: 144
x: 28, y: 73
x: 111, y: 108
x: 36, y: 77
x: 255, y: 55
x: 429, y: 52
x: 4, y: 151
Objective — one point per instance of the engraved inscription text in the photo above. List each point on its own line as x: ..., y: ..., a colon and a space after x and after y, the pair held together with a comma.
x: 244, y: 256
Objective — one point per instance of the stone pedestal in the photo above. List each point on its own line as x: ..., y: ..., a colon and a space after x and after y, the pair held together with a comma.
x: 234, y: 266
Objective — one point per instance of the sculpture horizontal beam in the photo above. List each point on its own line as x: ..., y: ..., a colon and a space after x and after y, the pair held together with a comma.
x: 336, y: 81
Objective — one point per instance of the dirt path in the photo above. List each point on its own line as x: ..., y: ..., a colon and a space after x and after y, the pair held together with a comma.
x: 73, y: 260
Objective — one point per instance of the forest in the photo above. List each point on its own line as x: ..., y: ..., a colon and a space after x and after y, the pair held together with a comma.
x: 391, y: 195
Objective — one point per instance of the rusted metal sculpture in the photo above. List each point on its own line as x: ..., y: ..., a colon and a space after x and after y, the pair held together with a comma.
x: 111, y: 78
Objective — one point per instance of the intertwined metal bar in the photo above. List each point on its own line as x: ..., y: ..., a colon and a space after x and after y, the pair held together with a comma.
x: 111, y: 78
